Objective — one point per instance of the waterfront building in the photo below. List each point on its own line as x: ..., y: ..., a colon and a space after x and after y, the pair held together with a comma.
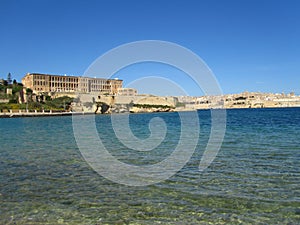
x: 127, y: 92
x: 9, y: 91
x: 41, y: 83
x: 99, y: 85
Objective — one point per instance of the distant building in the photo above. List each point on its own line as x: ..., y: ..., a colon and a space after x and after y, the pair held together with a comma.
x: 58, y: 83
x: 127, y: 91
x: 9, y: 91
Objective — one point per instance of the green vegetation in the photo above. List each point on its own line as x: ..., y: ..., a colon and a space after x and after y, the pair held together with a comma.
x: 57, y: 104
x: 12, y: 92
x: 180, y: 104
x: 61, y: 103
x: 152, y: 106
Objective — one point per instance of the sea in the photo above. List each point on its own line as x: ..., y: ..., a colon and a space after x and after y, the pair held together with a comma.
x: 254, y: 178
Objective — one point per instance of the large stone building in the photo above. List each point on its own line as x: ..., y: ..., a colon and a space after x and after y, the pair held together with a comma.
x: 41, y: 83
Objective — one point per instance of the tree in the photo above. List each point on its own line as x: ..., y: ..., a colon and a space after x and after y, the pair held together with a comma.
x: 16, y: 89
x: 9, y: 78
x: 60, y: 103
x: 29, y: 91
x: 29, y: 94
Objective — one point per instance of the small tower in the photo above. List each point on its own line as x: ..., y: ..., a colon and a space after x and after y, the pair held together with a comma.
x: 9, y: 78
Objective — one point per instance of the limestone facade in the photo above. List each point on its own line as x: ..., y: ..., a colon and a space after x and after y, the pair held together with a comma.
x: 243, y: 100
x: 127, y: 91
x: 41, y: 83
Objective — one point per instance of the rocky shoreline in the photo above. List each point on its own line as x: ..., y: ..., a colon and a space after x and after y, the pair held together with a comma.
x: 39, y: 114
x: 46, y: 114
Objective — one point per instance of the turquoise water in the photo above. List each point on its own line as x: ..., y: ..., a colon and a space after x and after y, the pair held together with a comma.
x: 255, y: 178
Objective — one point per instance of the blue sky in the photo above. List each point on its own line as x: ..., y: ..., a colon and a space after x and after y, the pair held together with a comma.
x: 250, y: 45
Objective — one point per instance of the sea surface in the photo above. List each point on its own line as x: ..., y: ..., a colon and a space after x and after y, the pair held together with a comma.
x: 255, y: 178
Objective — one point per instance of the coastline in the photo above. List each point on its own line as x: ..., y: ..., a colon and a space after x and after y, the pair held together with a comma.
x: 40, y: 114
x: 47, y: 114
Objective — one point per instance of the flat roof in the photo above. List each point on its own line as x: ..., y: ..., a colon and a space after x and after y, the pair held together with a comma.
x: 74, y: 76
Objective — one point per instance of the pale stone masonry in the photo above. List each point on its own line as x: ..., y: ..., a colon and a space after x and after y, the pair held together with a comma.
x: 127, y: 92
x: 242, y: 100
x: 45, y: 83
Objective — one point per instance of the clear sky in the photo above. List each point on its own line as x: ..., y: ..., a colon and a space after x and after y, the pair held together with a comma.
x: 250, y: 45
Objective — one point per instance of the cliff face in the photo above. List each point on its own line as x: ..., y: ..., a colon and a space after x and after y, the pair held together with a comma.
x: 156, y: 101
x: 121, y: 104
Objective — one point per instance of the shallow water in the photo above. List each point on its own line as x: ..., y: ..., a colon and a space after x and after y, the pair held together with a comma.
x: 254, y: 179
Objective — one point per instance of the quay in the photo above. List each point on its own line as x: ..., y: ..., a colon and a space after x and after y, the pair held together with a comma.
x: 39, y: 114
